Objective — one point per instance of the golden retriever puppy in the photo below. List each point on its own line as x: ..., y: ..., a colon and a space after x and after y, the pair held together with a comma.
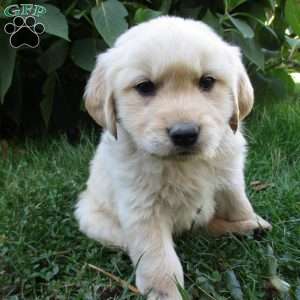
x: 171, y: 94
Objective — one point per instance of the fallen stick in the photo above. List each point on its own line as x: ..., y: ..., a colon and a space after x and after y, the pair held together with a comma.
x: 120, y: 281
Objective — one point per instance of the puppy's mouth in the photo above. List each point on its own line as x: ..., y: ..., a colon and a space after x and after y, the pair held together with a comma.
x: 183, y: 153
x: 186, y: 154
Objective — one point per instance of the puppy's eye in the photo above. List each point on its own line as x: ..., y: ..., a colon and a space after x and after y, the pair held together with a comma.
x: 146, y: 88
x: 206, y: 82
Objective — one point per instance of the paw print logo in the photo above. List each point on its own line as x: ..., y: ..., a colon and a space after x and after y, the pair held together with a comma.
x: 24, y: 32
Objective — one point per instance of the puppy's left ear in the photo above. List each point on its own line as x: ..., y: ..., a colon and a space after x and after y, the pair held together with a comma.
x: 243, y: 94
x: 99, y: 100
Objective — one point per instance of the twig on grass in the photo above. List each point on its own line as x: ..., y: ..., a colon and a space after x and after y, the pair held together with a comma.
x: 120, y: 281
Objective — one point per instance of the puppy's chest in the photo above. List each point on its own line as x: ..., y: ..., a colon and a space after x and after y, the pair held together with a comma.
x: 187, y: 195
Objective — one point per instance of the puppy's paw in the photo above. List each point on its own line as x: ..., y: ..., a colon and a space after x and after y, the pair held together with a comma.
x: 165, y: 290
x: 254, y: 225
x: 162, y: 295
x: 261, y: 224
x: 161, y: 285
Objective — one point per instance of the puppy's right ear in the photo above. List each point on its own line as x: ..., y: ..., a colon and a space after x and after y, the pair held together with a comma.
x: 242, y: 91
x: 99, y: 101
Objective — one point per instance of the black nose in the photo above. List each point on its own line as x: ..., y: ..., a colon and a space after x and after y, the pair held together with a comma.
x: 184, y: 134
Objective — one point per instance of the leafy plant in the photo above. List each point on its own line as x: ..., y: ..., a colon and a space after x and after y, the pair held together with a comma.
x: 41, y: 89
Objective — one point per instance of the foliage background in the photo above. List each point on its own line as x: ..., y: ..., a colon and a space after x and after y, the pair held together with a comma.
x: 41, y: 89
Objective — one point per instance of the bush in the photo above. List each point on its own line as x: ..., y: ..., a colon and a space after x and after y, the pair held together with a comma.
x: 41, y: 88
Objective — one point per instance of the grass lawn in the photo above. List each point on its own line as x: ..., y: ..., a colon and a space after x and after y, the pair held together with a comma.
x: 44, y: 256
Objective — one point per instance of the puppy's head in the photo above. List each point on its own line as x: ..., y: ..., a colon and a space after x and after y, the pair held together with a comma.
x: 173, y: 85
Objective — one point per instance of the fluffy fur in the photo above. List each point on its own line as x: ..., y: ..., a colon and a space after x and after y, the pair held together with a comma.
x: 141, y: 189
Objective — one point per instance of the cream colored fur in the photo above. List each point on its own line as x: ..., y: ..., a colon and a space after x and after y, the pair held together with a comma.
x: 140, y: 190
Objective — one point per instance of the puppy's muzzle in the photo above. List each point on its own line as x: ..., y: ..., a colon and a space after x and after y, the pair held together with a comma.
x: 184, y: 134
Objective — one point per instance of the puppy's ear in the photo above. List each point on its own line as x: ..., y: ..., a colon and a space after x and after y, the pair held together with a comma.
x: 99, y: 100
x: 243, y: 95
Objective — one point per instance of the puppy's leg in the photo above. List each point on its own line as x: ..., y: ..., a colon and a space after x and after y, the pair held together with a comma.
x: 151, y: 248
x: 234, y: 213
x: 98, y: 222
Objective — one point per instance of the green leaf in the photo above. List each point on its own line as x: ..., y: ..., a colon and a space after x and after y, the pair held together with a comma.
x: 7, y: 63
x: 259, y: 21
x: 242, y: 27
x: 292, y: 14
x: 54, y: 57
x: 55, y: 22
x: 189, y: 9
x: 47, y: 101
x: 277, y: 85
x: 109, y: 19
x: 249, y: 49
x: 254, y: 11
x: 233, y: 285
x: 84, y: 52
x: 212, y: 21
x: 284, y: 84
x: 145, y: 14
x: 279, y: 23
x: 232, y: 4
x: 267, y: 40
x: 165, y: 6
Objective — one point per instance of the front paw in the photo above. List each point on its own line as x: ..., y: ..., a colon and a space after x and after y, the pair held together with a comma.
x: 261, y: 224
x: 159, y: 295
x: 160, y: 285
x: 220, y: 226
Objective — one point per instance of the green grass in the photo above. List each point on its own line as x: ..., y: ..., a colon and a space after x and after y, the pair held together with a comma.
x: 44, y: 256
